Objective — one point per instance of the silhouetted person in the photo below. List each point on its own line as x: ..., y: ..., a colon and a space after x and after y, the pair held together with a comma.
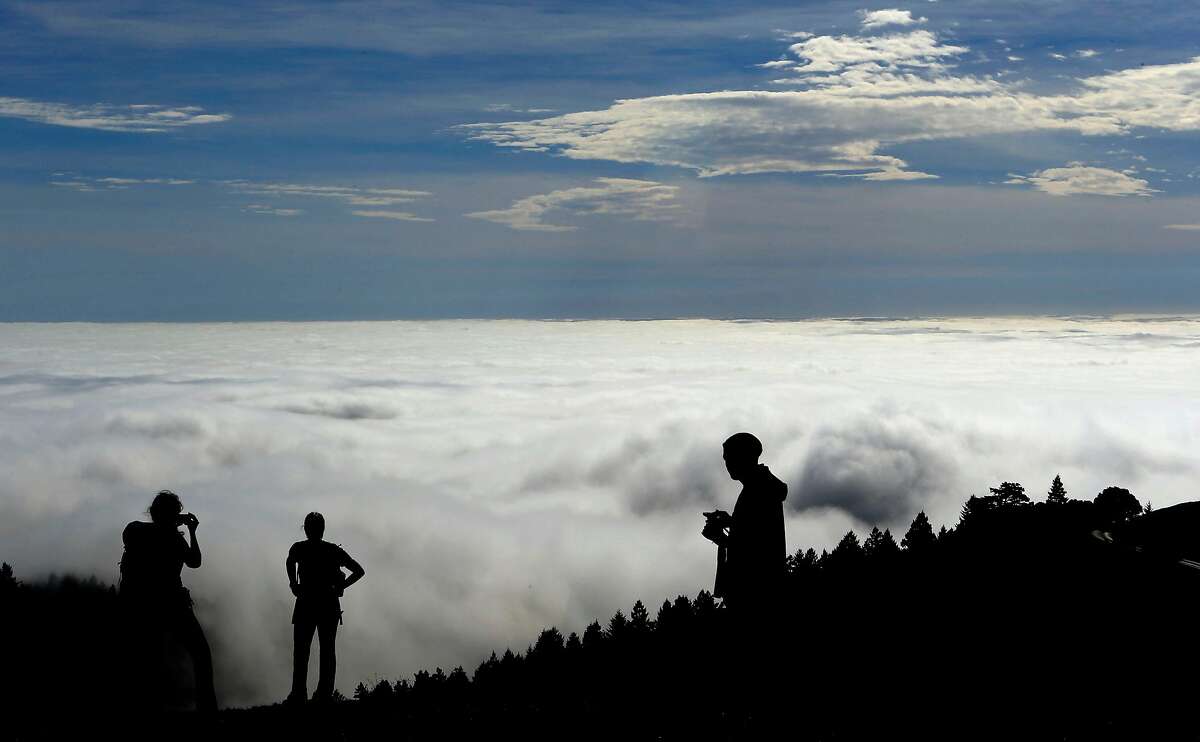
x: 751, y: 579
x: 314, y: 569
x: 154, y: 594
x: 753, y: 537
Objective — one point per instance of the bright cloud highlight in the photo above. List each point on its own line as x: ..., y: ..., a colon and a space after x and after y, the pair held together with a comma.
x: 1077, y: 178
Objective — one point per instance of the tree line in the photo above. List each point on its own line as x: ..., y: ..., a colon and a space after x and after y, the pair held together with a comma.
x: 1018, y: 619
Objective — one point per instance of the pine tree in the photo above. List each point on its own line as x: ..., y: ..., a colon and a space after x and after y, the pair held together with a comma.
x: 920, y: 535
x: 880, y: 545
x: 639, y: 619
x: 381, y: 692
x: 617, y: 626
x: 847, y: 555
x: 664, y: 612
x: 456, y: 684
x: 593, y: 637
x: 549, y: 644
x: 1058, y: 493
x: 8, y: 581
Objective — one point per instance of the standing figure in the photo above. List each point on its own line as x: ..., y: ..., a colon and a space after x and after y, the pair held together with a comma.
x: 158, y: 604
x: 752, y: 554
x: 753, y: 545
x: 314, y: 569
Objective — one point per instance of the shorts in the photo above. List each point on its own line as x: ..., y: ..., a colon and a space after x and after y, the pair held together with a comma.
x: 317, y: 610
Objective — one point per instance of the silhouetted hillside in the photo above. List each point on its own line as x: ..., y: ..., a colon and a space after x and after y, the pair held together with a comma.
x: 1063, y: 619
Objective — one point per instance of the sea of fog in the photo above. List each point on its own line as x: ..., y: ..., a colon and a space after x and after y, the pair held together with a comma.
x: 497, y: 477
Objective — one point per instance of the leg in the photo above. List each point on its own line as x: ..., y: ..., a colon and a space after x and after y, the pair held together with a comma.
x: 191, y: 636
x: 147, y: 640
x: 327, y: 631
x: 302, y: 634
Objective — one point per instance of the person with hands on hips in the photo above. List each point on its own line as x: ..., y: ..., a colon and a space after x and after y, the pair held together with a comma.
x: 314, y: 569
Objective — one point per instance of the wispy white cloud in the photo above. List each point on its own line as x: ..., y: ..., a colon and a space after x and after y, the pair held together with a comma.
x: 1086, y: 53
x: 348, y: 195
x: 886, y: 174
x: 859, y: 95
x: 510, y: 108
x: 641, y: 200
x: 268, y: 210
x: 1183, y: 227
x: 138, y: 118
x: 402, y: 216
x: 1076, y: 178
x: 887, y: 17
x: 352, y: 195
x: 91, y: 184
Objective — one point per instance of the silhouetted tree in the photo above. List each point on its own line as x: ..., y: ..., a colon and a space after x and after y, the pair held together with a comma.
x: 1009, y: 494
x: 593, y: 637
x: 548, y: 650
x: 618, y: 626
x: 704, y: 605
x: 803, y: 564
x: 1058, y: 493
x: 1116, y: 505
x: 457, y: 682
x: 973, y: 510
x: 919, y: 537
x: 847, y: 555
x: 639, y: 620
x: 880, y: 546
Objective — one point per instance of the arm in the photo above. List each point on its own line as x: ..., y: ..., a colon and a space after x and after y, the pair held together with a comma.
x: 290, y: 564
x: 192, y: 557
x: 356, y: 570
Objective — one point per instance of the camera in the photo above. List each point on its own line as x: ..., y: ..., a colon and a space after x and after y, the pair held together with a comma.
x: 715, y: 523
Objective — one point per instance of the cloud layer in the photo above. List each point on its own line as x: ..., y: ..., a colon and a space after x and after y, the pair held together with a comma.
x: 498, y: 477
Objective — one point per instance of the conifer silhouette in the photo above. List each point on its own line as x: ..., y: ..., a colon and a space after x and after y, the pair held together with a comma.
x: 1057, y: 495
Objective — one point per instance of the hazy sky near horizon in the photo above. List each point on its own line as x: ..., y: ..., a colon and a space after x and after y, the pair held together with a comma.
x: 310, y: 160
x: 495, y: 478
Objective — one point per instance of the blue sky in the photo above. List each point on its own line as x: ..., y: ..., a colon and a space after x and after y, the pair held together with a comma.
x: 192, y: 161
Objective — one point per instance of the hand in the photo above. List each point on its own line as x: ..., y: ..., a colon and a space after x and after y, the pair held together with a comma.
x: 718, y: 519
x: 189, y: 520
x: 714, y: 534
